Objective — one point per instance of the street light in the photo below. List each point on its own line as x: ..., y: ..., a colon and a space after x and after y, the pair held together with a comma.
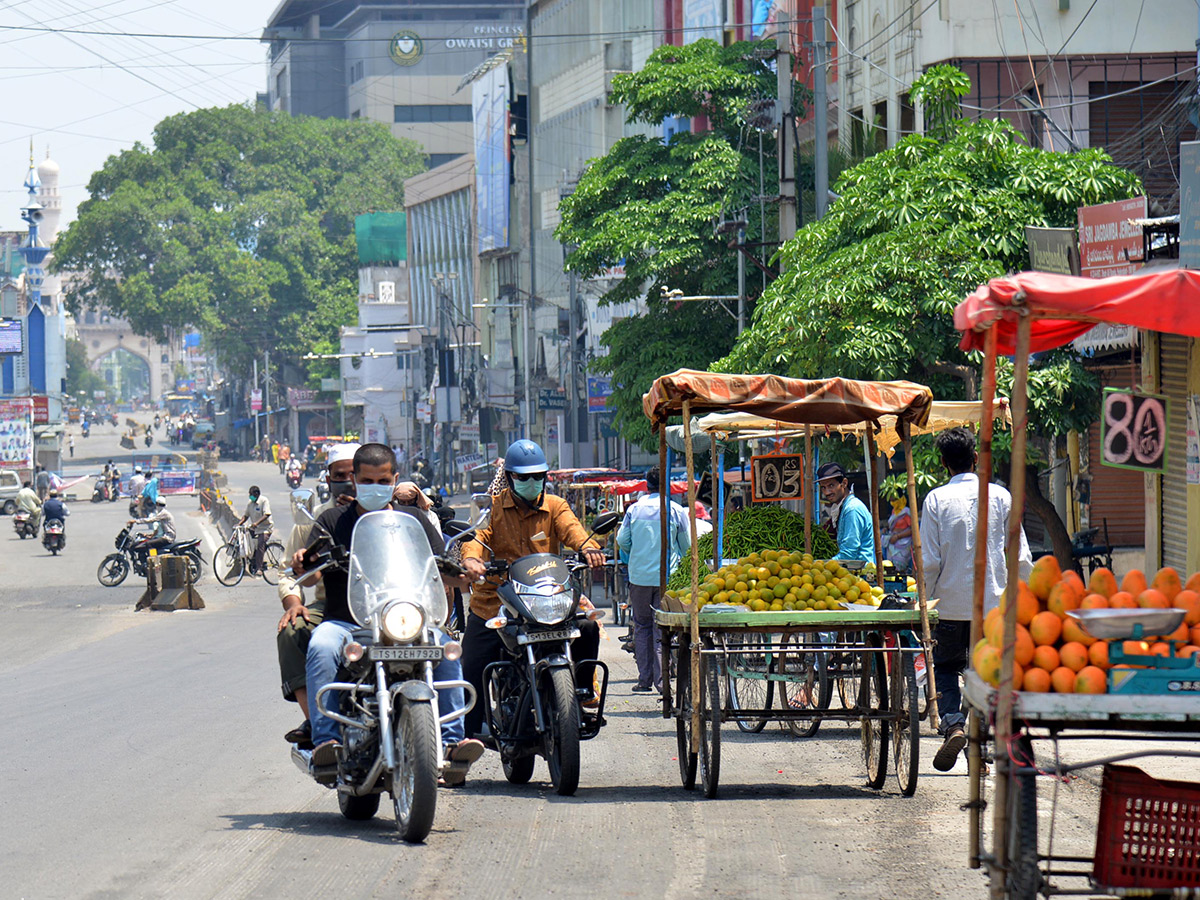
x: 484, y: 304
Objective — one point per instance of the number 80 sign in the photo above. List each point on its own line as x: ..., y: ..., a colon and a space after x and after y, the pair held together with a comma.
x: 1133, y: 430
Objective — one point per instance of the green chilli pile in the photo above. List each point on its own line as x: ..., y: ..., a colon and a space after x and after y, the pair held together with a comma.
x: 752, y: 530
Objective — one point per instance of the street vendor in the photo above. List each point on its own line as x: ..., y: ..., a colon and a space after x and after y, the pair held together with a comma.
x: 851, y: 518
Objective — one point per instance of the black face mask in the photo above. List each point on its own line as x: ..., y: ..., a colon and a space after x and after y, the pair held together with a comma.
x: 341, y: 488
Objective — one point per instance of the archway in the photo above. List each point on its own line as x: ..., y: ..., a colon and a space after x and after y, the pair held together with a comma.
x: 126, y: 375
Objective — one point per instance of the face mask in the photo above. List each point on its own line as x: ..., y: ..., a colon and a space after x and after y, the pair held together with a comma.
x: 374, y: 496
x: 341, y: 488
x: 528, y: 490
x: 254, y: 498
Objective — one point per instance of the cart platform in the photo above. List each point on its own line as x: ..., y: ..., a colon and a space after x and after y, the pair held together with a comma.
x: 815, y: 620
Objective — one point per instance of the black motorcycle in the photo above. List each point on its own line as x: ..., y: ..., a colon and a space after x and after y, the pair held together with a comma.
x: 533, y: 705
x: 115, y: 567
x: 100, y: 490
x: 54, y: 536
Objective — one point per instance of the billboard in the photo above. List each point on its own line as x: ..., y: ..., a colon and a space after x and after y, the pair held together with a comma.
x: 599, y: 390
x: 1108, y: 243
x: 16, y: 434
x: 1189, y: 204
x: 489, y: 107
x: 10, y: 336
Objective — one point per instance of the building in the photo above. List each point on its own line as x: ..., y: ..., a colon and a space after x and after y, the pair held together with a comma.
x: 394, y: 61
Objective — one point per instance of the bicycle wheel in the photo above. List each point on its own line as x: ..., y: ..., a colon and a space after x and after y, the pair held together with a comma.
x: 906, y: 743
x: 1025, y: 880
x: 845, y: 673
x: 272, y: 562
x: 748, y: 669
x: 873, y: 700
x: 804, y: 681
x: 686, y: 753
x: 228, y: 565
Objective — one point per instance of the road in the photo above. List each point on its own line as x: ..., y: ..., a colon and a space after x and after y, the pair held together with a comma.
x: 145, y: 759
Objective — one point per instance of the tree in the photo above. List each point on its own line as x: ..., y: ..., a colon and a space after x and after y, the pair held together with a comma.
x: 654, y: 204
x: 239, y: 222
x: 81, y: 380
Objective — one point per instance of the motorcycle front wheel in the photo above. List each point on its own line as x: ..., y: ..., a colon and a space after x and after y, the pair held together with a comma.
x: 562, y: 731
x: 358, y: 809
x: 414, y: 781
x: 113, y: 570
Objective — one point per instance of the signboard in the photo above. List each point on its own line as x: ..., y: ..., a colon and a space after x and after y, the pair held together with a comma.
x: 1189, y: 204
x: 16, y: 434
x: 493, y: 450
x: 1133, y: 430
x: 599, y: 390
x: 41, y: 410
x: 490, y: 114
x: 468, y: 461
x: 424, y: 411
x: 777, y: 477
x: 256, y: 400
x: 10, y: 336
x: 469, y: 431
x: 1053, y: 250
x: 1193, y: 439
x: 552, y: 398
x: 1108, y: 243
x: 329, y: 384
x: 298, y: 397
x: 177, y: 482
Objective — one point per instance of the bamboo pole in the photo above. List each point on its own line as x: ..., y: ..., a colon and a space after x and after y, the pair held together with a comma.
x: 717, y: 488
x: 693, y: 605
x: 664, y: 491
x: 873, y: 487
x: 919, y: 564
x: 974, y: 724
x: 808, y: 486
x: 1005, y: 694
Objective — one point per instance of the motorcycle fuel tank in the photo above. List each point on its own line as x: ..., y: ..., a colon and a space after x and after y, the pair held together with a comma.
x: 538, y: 568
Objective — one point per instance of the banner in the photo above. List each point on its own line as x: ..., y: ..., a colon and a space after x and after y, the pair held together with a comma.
x: 489, y: 108
x: 256, y: 400
x: 299, y: 398
x: 1108, y: 243
x: 599, y: 390
x: 16, y: 434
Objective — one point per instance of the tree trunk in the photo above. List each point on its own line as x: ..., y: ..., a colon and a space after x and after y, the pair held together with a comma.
x: 1056, y: 529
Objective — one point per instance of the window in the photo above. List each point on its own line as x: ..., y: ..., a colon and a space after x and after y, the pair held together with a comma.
x: 433, y: 112
x: 438, y: 159
x: 281, y: 84
x: 357, y: 71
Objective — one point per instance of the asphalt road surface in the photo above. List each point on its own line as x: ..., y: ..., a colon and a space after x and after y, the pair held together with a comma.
x: 144, y: 758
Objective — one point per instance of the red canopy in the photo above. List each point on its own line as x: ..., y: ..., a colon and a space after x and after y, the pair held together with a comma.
x: 1064, y: 307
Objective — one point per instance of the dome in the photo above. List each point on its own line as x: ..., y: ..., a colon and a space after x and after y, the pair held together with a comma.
x: 47, y: 168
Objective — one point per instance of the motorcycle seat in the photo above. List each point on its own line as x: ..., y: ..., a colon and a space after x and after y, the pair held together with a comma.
x: 186, y: 545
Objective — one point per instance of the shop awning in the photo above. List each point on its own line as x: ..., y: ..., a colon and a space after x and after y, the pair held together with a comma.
x: 795, y: 401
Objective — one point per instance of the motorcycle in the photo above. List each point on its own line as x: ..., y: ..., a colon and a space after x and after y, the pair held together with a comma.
x: 115, y: 421
x: 100, y: 490
x: 533, y: 705
x: 385, y: 697
x: 116, y: 566
x: 294, y: 476
x: 323, y: 488
x: 23, y: 525
x: 149, y: 440
x: 54, y: 536
x: 157, y: 422
x: 86, y: 429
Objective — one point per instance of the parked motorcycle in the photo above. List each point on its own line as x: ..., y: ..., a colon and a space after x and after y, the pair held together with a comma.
x: 23, y: 525
x: 54, y: 536
x: 533, y: 705
x: 116, y: 566
x: 386, y: 698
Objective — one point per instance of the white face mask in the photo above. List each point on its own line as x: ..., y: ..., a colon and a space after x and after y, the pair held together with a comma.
x: 373, y: 496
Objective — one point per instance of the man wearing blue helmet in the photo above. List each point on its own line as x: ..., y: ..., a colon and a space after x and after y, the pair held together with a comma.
x: 525, y: 519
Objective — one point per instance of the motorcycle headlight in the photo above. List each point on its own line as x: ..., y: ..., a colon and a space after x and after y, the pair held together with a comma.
x: 548, y: 605
x: 402, y: 621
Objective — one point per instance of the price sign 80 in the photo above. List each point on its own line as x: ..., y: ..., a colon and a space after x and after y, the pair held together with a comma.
x: 1133, y: 430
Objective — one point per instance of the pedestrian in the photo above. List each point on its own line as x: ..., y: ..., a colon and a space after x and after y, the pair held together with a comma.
x: 640, y: 540
x: 851, y: 518
x: 41, y: 483
x: 285, y: 454
x: 898, y: 544
x: 275, y: 452
x: 948, y: 524
x: 71, y: 445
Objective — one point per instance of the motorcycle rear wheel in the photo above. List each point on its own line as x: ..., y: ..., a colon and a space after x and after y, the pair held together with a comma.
x: 518, y: 771
x: 562, y: 733
x: 113, y: 570
x: 358, y: 809
x: 414, y: 781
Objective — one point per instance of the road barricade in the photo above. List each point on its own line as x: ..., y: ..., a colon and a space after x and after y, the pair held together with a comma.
x: 169, y: 585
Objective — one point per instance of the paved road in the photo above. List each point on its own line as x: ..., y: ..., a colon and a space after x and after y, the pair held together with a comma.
x: 145, y: 759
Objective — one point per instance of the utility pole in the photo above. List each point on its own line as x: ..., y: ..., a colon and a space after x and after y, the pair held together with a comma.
x: 741, y: 307
x: 821, y: 110
x: 528, y: 414
x: 786, y: 142
x: 572, y: 370
x: 267, y: 387
x: 255, y: 413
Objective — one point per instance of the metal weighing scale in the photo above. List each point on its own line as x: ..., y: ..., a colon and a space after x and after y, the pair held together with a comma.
x: 1171, y: 674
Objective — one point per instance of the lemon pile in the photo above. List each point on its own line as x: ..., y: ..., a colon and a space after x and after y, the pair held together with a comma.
x: 779, y: 581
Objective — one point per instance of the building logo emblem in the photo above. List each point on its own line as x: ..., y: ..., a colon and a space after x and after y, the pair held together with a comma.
x: 406, y: 48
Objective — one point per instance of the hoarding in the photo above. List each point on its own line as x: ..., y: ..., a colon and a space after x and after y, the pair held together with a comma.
x: 1109, y: 244
x: 490, y: 112
x: 702, y: 19
x: 1189, y: 204
x: 599, y: 390
x: 10, y: 336
x: 16, y: 434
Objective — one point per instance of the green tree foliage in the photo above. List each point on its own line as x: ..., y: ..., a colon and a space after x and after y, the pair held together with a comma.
x: 81, y: 380
x: 238, y: 222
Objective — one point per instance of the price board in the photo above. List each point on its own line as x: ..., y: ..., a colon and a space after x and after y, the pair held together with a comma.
x: 777, y: 477
x: 1133, y: 430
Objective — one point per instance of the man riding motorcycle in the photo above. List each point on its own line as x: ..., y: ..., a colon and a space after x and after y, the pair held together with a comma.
x: 524, y: 520
x: 163, y: 525
x: 27, y: 501
x: 54, y: 508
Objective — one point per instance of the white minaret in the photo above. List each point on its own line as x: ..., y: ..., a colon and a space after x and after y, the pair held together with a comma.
x: 51, y: 202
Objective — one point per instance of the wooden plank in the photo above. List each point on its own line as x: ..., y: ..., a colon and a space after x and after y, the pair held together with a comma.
x: 1083, y: 708
x: 889, y: 618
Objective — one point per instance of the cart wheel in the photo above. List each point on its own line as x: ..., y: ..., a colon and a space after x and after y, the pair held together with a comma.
x: 683, y: 717
x: 1024, y: 879
x: 906, y: 735
x: 710, y: 723
x: 873, y: 700
x: 845, y: 673
x: 805, y: 683
x: 748, y: 669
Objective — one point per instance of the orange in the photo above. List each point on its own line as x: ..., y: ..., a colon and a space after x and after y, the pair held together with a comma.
x: 1189, y: 600
x: 1063, y: 599
x: 1073, y: 632
x: 1027, y: 603
x: 1187, y: 650
x: 1152, y: 599
x: 1166, y: 580
x: 1137, y: 648
x: 1160, y: 649
x: 993, y: 628
x: 1091, y: 680
x: 1196, y: 634
x: 1074, y: 655
x: 987, y: 664
x: 1134, y: 582
x: 1046, y: 573
x: 1062, y: 680
x: 1103, y: 582
x: 1094, y: 601
x: 1036, y: 680
x: 1180, y: 635
x: 1018, y: 676
x: 979, y: 645
x: 1023, y: 652
x: 1072, y: 580
x: 1045, y: 628
x: 1122, y: 600
x: 1046, y: 657
x: 1193, y: 583
x: 1098, y: 654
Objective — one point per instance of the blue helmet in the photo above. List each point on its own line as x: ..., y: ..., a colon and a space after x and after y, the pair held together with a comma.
x: 524, y: 457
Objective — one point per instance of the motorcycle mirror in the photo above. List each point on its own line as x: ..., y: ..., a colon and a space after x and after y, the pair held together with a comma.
x: 303, y: 501
x: 606, y: 522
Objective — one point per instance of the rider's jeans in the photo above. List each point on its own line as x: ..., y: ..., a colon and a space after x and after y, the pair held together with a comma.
x: 321, y: 666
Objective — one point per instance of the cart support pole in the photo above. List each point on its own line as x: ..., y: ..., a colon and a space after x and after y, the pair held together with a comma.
x: 694, y: 606
x: 717, y: 488
x: 873, y: 487
x: 919, y: 563
x: 664, y: 493
x: 1005, y: 693
x: 808, y: 486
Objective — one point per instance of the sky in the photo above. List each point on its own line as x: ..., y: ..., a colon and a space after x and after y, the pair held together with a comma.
x: 87, y: 96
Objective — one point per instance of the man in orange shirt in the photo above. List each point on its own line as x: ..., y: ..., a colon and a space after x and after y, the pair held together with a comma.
x: 525, y: 519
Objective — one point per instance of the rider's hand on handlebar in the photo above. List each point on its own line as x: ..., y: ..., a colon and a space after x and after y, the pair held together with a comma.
x: 476, y: 568
x: 594, y: 558
x: 298, y: 562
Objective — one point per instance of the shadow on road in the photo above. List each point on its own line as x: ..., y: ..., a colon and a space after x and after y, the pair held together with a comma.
x: 379, y: 830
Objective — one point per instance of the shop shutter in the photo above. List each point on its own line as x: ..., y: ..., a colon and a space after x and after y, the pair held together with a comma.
x: 1118, y: 496
x: 1174, y: 358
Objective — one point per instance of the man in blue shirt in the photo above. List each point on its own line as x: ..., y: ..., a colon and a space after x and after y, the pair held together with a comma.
x: 855, y: 534
x: 639, y: 539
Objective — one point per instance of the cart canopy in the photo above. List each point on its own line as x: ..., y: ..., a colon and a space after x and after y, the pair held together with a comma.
x: 795, y: 401
x: 1064, y: 307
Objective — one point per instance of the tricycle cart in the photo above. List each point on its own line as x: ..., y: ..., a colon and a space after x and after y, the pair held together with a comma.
x: 1019, y: 315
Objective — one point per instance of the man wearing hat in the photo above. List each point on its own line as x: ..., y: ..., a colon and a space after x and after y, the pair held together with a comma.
x: 851, y: 518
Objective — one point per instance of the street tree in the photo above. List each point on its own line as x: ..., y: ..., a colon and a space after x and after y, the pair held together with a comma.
x: 238, y: 222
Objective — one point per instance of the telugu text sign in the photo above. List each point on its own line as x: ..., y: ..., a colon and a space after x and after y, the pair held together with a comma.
x: 1109, y: 243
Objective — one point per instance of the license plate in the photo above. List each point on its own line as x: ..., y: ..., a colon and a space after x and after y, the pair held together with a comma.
x: 405, y: 654
x: 554, y: 634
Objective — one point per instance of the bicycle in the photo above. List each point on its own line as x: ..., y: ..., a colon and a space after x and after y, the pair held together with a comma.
x: 235, y: 559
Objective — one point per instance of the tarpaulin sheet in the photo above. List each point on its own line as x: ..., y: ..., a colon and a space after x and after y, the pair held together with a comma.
x: 1064, y: 307
x: 797, y: 401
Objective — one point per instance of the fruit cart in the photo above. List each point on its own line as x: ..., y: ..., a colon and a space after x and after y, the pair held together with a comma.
x: 1149, y: 830
x: 784, y: 645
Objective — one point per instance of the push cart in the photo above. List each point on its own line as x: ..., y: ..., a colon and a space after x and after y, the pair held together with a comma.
x: 1019, y: 315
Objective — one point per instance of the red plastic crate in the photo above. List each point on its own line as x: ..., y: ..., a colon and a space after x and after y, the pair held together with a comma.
x: 1149, y: 831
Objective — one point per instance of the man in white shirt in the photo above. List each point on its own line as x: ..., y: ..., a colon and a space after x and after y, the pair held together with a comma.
x: 258, y: 513
x: 948, y: 522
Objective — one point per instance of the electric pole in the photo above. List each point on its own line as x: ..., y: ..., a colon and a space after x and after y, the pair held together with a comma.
x: 786, y: 141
